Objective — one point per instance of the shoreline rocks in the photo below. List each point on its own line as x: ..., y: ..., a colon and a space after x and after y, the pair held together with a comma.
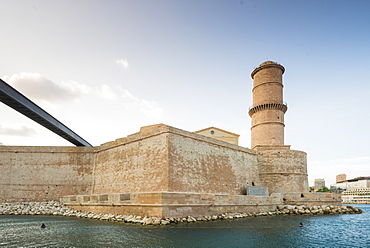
x: 58, y: 209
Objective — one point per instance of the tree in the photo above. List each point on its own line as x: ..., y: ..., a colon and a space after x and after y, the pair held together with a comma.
x: 323, y: 189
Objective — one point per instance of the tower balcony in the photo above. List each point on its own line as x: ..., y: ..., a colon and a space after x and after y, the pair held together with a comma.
x: 283, y: 106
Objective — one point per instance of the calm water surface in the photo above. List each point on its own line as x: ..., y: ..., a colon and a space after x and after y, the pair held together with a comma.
x: 276, y: 231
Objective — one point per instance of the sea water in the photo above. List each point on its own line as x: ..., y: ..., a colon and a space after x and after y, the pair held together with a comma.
x: 345, y: 230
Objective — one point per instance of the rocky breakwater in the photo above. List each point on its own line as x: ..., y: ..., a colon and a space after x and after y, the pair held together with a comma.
x: 34, y: 208
x: 55, y: 208
x: 324, y: 209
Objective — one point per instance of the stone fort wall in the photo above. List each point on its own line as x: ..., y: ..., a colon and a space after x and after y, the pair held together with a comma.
x: 283, y: 170
x: 137, y: 163
x: 160, y: 171
x: 175, y: 204
x: 205, y: 165
x: 165, y: 159
x: 44, y: 173
x: 159, y: 158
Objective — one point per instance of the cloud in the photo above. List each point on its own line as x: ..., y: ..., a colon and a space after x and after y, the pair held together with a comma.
x: 40, y: 88
x: 22, y: 131
x: 150, y: 109
x: 113, y: 102
x: 123, y: 63
x: 105, y: 91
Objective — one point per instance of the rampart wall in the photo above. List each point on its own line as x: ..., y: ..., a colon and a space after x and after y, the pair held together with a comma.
x: 310, y: 198
x: 170, y: 204
x: 177, y: 204
x: 205, y: 165
x: 160, y: 171
x: 137, y: 163
x: 165, y: 159
x: 44, y: 173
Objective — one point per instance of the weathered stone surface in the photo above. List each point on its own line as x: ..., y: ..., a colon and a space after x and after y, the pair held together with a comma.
x: 44, y: 173
x: 283, y: 171
x: 196, y: 163
x: 158, y: 158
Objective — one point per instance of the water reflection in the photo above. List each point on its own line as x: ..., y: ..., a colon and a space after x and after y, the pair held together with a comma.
x: 278, y: 231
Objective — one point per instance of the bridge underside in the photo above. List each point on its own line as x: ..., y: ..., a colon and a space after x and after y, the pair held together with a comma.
x: 17, y: 101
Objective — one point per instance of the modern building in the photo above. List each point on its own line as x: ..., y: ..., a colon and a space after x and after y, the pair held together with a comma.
x: 360, y: 195
x: 319, y: 183
x: 341, y: 178
x: 355, y: 183
x: 355, y: 190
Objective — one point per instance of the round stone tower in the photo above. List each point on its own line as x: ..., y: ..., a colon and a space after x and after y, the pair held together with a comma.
x: 281, y: 170
x: 268, y: 109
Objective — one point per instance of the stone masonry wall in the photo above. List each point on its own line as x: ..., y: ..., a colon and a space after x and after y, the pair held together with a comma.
x: 44, y: 173
x: 283, y: 170
x: 161, y: 158
x: 205, y: 165
x: 157, y: 159
x: 170, y: 204
x: 310, y: 198
x: 137, y: 163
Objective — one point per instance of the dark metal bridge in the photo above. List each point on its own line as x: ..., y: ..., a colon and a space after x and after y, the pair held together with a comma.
x: 17, y: 101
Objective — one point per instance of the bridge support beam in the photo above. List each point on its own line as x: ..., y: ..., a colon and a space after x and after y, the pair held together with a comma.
x: 17, y: 101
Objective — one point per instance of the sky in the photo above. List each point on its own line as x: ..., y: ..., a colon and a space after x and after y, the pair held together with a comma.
x: 105, y: 68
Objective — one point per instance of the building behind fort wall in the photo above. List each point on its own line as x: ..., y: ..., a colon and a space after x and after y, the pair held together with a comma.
x: 44, y: 173
x: 340, y: 178
x: 220, y: 134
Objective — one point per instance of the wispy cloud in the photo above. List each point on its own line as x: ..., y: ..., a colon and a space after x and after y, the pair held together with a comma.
x: 113, y: 102
x: 105, y: 91
x: 40, y: 88
x: 123, y: 63
x: 150, y: 109
x: 22, y: 131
